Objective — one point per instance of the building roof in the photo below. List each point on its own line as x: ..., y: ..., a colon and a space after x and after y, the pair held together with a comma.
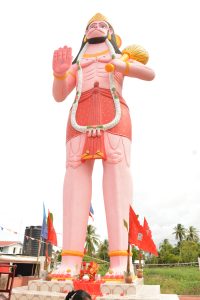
x: 20, y: 259
x: 9, y: 243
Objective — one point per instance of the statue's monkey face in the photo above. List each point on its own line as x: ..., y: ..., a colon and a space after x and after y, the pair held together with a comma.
x: 98, y: 29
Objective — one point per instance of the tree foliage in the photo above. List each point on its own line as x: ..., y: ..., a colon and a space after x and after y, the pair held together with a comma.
x: 102, y: 251
x: 186, y: 250
x: 192, y: 234
x: 180, y: 232
x: 92, y: 240
x: 189, y: 251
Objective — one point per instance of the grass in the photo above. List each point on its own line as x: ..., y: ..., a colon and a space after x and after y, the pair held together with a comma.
x: 176, y: 280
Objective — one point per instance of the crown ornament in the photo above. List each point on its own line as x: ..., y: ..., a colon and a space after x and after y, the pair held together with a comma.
x: 98, y: 17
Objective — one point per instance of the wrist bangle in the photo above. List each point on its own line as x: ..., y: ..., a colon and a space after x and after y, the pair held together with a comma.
x: 60, y: 77
x: 127, y: 68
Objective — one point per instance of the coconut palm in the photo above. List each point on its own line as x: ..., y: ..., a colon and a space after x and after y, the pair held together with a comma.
x: 103, y: 250
x: 180, y: 232
x: 192, y: 234
x: 92, y: 240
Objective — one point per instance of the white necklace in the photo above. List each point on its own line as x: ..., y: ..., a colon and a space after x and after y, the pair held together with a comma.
x: 115, y: 97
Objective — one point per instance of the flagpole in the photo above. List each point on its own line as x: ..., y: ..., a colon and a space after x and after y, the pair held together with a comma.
x: 42, y: 235
x: 47, y: 256
x: 128, y: 276
x: 37, y: 263
x: 128, y: 260
x: 140, y: 261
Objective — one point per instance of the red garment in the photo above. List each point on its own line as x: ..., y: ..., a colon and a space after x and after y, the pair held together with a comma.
x: 96, y: 107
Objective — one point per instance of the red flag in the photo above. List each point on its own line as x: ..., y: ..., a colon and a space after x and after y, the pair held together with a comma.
x: 148, y: 243
x: 52, y: 238
x: 136, y: 232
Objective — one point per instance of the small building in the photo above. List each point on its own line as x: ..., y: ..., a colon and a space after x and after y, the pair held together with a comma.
x: 26, y: 265
x: 32, y: 238
x: 11, y: 247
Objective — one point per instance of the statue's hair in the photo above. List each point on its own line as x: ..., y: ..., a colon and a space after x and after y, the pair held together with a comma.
x: 113, y: 42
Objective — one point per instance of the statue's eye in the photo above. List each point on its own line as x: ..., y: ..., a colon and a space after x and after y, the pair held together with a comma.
x: 93, y: 26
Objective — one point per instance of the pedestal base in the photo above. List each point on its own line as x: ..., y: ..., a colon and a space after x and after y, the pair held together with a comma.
x: 135, y: 297
x: 57, y: 290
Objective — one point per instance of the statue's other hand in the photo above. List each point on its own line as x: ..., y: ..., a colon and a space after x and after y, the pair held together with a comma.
x: 62, y: 60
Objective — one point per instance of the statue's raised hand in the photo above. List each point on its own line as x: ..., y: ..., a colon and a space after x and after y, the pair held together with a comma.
x: 62, y: 60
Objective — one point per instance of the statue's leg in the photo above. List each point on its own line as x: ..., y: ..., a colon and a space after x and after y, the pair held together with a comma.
x: 76, y: 205
x: 117, y: 189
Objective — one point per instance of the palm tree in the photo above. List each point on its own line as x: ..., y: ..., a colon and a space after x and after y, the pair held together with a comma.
x: 179, y: 232
x: 103, y: 250
x: 192, y: 234
x: 92, y: 240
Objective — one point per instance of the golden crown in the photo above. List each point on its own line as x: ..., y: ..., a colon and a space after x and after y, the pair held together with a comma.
x: 98, y: 17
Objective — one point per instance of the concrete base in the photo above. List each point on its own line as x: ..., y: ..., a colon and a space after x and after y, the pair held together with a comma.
x: 50, y: 286
x: 57, y: 290
x: 36, y: 295
x: 136, y: 297
x: 139, y: 290
x: 42, y: 290
x: 113, y: 288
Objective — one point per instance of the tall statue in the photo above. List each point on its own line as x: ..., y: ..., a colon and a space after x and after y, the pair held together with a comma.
x: 99, y: 127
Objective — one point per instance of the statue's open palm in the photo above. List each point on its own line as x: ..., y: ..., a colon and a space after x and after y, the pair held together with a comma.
x: 62, y: 60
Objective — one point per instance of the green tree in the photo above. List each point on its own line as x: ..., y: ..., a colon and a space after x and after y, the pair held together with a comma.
x: 166, y: 253
x: 135, y: 254
x: 102, y: 252
x: 189, y: 251
x: 92, y: 240
x: 165, y: 245
x: 176, y: 250
x: 59, y: 256
x: 180, y: 232
x: 192, y: 234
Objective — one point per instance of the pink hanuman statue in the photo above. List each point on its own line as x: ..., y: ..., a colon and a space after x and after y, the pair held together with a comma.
x: 99, y: 127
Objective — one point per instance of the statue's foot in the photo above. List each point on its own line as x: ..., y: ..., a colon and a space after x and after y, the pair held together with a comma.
x: 69, y: 267
x: 118, y: 267
x: 117, y: 275
x: 65, y: 272
x: 118, y: 264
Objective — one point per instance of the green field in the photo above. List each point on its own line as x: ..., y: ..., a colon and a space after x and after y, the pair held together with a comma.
x: 176, y: 280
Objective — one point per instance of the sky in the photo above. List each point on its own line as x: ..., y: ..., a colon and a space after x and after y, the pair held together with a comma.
x: 165, y: 112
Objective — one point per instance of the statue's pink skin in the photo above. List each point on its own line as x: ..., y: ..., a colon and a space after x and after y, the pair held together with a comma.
x: 117, y: 184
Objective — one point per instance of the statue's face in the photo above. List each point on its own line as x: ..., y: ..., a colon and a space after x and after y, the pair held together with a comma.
x: 97, y: 29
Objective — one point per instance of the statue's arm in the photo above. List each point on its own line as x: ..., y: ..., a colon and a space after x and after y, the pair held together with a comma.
x: 133, y: 68
x: 63, y: 86
x: 64, y: 73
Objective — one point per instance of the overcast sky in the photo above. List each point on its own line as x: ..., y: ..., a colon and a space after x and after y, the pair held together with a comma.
x: 165, y: 112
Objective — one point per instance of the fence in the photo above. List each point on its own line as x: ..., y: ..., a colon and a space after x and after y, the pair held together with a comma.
x: 189, y: 264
